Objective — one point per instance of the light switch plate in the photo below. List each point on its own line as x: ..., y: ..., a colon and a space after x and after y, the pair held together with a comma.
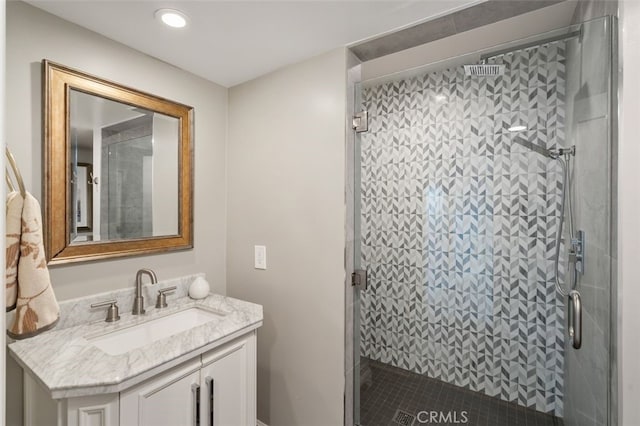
x: 260, y: 257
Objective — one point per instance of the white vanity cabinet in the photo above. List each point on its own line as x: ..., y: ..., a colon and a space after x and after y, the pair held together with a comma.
x: 220, y: 386
x: 216, y: 388
x: 170, y: 398
x: 91, y: 410
x: 227, y: 386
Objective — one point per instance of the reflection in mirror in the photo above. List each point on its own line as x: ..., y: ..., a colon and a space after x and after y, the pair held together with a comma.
x: 125, y: 174
x: 82, y: 197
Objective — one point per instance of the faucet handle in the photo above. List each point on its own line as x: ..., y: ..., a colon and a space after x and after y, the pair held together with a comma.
x: 161, y: 301
x: 112, y: 311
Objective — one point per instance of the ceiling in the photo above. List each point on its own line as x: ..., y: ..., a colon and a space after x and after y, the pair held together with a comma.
x: 233, y: 41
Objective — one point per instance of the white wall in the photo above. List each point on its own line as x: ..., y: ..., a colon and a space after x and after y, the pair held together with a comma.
x: 629, y: 215
x: 286, y: 174
x: 33, y: 35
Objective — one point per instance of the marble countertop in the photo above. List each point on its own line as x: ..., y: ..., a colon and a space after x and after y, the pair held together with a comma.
x: 68, y: 365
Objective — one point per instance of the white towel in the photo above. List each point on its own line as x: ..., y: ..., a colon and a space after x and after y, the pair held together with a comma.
x: 37, y: 308
x: 12, y: 244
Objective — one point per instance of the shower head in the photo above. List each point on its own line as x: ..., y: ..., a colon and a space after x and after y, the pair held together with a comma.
x: 484, y: 70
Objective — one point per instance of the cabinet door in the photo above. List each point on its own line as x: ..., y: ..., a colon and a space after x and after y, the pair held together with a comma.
x: 169, y: 399
x: 228, y: 385
x: 92, y: 410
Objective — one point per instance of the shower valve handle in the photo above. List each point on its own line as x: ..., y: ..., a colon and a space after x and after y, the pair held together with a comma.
x: 576, y: 253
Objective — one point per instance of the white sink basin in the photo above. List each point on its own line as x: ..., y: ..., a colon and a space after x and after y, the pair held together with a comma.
x: 136, y: 336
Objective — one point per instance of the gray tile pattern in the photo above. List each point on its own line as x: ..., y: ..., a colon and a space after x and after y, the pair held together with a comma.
x: 458, y: 227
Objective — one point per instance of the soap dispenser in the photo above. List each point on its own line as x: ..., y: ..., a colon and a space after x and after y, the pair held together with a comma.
x: 199, y: 288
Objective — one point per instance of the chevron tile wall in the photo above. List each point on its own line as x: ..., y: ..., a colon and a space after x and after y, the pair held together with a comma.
x: 458, y: 228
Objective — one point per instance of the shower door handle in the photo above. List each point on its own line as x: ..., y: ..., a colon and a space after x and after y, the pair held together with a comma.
x: 575, y: 318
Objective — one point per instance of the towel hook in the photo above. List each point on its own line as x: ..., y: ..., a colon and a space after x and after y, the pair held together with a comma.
x: 16, y: 172
x: 8, y: 179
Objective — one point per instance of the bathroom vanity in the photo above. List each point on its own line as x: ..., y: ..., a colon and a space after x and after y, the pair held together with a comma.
x: 192, y: 363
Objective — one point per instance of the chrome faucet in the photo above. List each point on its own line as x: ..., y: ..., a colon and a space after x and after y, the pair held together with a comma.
x: 138, y: 302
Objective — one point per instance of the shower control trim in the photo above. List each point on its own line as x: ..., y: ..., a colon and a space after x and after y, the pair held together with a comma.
x: 576, y: 253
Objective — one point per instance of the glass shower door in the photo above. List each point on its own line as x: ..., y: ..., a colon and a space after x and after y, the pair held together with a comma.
x: 455, y: 223
x: 589, y: 393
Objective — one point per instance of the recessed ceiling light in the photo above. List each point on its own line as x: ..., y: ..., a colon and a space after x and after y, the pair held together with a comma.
x: 171, y: 17
x: 517, y: 128
x: 441, y: 98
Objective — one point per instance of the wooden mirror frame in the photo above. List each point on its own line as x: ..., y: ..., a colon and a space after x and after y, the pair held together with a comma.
x: 58, y: 80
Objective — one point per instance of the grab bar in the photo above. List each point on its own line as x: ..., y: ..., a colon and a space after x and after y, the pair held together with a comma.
x: 575, y: 318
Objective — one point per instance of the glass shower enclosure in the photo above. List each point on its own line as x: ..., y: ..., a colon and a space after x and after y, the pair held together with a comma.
x: 462, y: 205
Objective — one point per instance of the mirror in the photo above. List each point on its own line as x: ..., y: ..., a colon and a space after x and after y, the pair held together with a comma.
x: 123, y: 154
x: 118, y: 169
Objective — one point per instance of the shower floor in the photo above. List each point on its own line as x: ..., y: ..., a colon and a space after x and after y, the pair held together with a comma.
x: 391, y: 396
